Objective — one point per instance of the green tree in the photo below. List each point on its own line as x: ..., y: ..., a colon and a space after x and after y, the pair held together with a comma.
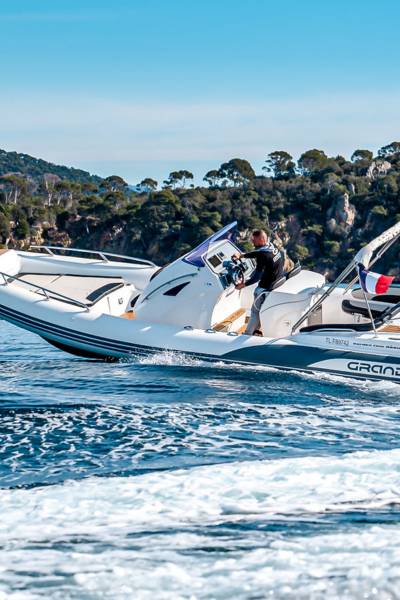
x: 178, y: 177
x: 332, y: 247
x: 63, y: 192
x: 300, y: 252
x: 361, y: 155
x: 149, y: 183
x: 211, y: 177
x: 13, y: 187
x: 48, y: 186
x: 4, y: 228
x: 379, y: 211
x: 280, y: 164
x: 389, y: 150
x: 185, y: 175
x: 237, y: 170
x: 114, y: 183
x: 21, y: 230
x: 312, y: 161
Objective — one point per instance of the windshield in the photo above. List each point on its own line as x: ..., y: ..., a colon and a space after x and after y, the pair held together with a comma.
x: 195, y: 257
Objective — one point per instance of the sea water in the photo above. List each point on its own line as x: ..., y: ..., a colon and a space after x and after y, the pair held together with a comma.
x: 169, y: 478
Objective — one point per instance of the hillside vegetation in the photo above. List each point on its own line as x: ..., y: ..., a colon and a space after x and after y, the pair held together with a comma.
x: 321, y: 209
x: 35, y: 168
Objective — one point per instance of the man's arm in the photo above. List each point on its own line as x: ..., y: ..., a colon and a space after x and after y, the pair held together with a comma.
x: 255, y: 276
x: 252, y: 254
x: 267, y: 264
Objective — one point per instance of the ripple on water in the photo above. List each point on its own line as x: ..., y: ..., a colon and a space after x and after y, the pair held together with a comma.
x: 223, y: 530
x: 216, y: 481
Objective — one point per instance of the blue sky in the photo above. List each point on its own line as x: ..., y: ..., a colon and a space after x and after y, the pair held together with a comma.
x: 140, y: 88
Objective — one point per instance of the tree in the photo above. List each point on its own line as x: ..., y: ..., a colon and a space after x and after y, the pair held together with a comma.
x: 13, y: 187
x: 389, y: 150
x: 211, y: 177
x: 312, y: 161
x: 21, y: 231
x: 237, y: 170
x: 4, y: 228
x: 63, y: 191
x: 185, y: 175
x: 361, y: 155
x: 114, y: 183
x: 177, y: 177
x: 280, y: 164
x: 149, y: 183
x: 114, y: 201
x: 49, y: 182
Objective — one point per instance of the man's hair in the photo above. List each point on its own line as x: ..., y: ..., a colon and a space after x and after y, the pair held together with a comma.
x: 260, y: 233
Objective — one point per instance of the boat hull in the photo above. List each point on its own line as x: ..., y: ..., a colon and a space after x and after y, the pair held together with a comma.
x: 333, y: 353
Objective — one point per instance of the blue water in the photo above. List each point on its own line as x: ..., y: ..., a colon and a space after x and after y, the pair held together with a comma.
x: 173, y: 478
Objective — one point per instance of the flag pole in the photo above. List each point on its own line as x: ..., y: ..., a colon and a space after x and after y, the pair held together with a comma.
x: 367, y: 303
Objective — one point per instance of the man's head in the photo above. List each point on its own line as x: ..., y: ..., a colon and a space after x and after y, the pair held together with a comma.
x: 259, y: 238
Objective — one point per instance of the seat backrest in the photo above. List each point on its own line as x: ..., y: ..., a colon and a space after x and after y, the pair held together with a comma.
x: 349, y: 307
x: 278, y: 283
x: 295, y: 271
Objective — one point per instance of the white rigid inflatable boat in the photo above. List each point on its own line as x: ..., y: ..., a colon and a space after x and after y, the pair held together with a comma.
x: 103, y: 306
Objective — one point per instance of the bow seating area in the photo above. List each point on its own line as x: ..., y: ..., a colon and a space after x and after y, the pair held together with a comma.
x: 87, y: 290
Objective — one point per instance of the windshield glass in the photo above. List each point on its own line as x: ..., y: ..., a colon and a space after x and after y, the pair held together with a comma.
x: 195, y: 257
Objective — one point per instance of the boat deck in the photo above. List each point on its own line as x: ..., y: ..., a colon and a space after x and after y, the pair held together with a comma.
x: 81, y: 288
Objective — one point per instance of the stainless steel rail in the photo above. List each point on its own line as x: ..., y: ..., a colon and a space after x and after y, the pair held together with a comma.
x: 102, y: 255
x: 339, y: 280
x: 373, y: 261
x: 327, y: 293
x: 46, y: 292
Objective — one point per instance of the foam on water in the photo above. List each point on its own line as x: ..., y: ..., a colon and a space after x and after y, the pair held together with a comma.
x: 193, y: 566
x: 92, y: 536
x: 173, y: 358
x: 168, y: 358
x: 208, y: 495
x: 170, y: 477
x: 49, y: 444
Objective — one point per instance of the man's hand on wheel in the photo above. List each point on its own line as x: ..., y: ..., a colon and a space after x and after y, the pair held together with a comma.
x: 236, y: 256
x: 239, y: 286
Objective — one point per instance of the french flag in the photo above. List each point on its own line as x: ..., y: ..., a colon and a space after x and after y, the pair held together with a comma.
x: 373, y: 283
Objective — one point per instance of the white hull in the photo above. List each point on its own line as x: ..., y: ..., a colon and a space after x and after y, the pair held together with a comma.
x: 104, y: 336
x: 181, y: 310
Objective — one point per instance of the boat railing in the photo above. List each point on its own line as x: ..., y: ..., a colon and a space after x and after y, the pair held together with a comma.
x: 53, y: 250
x: 45, y: 291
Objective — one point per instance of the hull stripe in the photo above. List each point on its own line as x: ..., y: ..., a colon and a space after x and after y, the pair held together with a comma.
x: 43, y: 327
x: 267, y: 355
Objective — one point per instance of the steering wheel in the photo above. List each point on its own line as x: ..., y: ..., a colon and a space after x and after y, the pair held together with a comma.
x: 238, y: 271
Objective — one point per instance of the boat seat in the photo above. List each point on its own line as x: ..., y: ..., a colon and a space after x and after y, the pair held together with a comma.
x: 349, y: 306
x: 338, y: 327
x: 279, y: 282
x: 85, y: 289
x: 388, y: 298
x: 391, y: 297
x: 102, y: 290
x: 354, y: 308
x: 295, y: 271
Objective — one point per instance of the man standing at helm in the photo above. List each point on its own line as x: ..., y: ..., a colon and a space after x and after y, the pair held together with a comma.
x: 269, y: 268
